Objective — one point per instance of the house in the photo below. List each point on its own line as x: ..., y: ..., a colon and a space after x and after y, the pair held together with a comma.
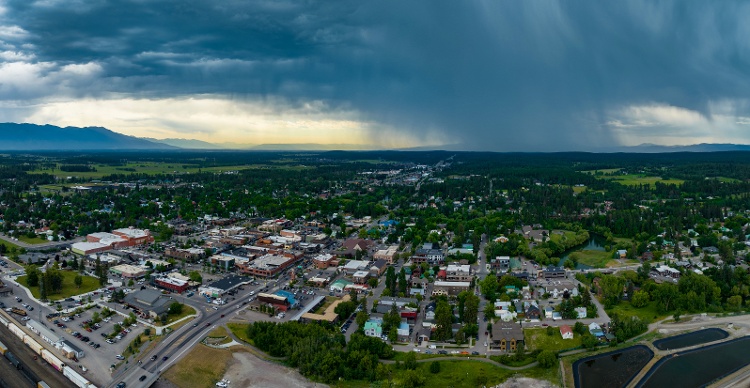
x: 622, y: 254
x: 374, y: 327
x: 596, y: 330
x: 581, y: 312
x: 548, y: 312
x: 533, y: 312
x: 663, y: 270
x: 556, y: 316
x: 647, y: 256
x: 429, y: 253
x: 403, y: 332
x: 507, y: 336
x: 566, y: 332
x: 500, y: 263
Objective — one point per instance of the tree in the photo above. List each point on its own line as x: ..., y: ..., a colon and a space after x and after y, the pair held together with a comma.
x: 78, y: 280
x: 546, y: 359
x: 175, y: 308
x: 443, y: 321
x: 588, y: 341
x: 412, y: 379
x: 435, y: 367
x: 639, y: 299
x: 410, y: 361
x: 579, y: 328
x: 195, y: 276
x: 471, y: 309
x: 489, y: 286
x: 734, y: 303
x: 361, y: 319
x: 612, y: 289
x: 32, y: 276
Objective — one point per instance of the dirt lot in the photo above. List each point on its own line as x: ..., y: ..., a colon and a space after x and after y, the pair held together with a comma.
x: 525, y: 382
x: 247, y: 370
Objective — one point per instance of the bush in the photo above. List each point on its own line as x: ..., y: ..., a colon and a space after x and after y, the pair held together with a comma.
x: 435, y: 367
x: 546, y: 359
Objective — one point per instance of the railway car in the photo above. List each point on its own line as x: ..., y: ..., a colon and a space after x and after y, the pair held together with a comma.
x: 13, y: 360
x: 35, y: 346
x: 52, y: 360
x: 3, y: 348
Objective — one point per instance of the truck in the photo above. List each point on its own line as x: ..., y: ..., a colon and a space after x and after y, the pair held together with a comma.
x: 18, y: 311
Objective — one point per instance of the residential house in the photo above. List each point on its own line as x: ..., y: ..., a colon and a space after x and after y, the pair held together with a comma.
x: 374, y: 327
x: 533, y: 312
x: 507, y: 336
x: 596, y: 330
x: 566, y: 332
x: 581, y: 312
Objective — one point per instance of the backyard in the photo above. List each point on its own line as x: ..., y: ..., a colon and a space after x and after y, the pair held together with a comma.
x: 538, y: 339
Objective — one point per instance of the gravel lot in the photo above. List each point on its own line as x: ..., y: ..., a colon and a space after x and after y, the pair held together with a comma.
x: 247, y: 370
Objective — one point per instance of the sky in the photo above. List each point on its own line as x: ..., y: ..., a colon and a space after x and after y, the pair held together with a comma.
x: 471, y: 75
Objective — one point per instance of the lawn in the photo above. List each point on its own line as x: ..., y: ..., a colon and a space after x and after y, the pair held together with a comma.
x: 195, y: 369
x: 32, y: 240
x: 240, y: 331
x: 186, y: 310
x: 69, y: 288
x: 538, y: 339
x: 596, y: 259
x: 647, y: 313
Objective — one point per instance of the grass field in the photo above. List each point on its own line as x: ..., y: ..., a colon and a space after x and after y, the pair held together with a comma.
x: 240, y: 331
x: 647, y: 314
x: 538, y: 339
x: 202, y: 367
x: 32, y: 240
x: 150, y: 168
x: 186, y: 310
x: 69, y: 287
x: 640, y: 179
x: 596, y: 259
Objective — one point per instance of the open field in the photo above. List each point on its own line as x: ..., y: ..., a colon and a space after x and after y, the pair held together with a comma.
x: 596, y: 259
x: 32, y: 240
x: 647, y: 313
x: 69, y: 288
x: 194, y: 370
x: 603, y: 171
x: 640, y: 179
x: 240, y: 331
x: 149, y: 168
x: 538, y: 339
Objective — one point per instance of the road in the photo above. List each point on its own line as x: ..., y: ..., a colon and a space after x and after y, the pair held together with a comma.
x: 33, y: 247
x: 179, y: 342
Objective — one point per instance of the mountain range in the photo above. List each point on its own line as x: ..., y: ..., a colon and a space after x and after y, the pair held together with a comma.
x: 33, y: 137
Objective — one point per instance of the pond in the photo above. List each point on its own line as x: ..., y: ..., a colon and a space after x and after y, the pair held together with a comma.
x: 698, y: 367
x: 613, y: 369
x: 691, y: 339
x: 595, y: 243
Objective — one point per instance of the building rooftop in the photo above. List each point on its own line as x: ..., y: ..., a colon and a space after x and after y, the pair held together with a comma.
x: 229, y: 282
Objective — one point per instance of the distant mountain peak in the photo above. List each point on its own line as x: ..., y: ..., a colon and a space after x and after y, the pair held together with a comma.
x: 33, y: 137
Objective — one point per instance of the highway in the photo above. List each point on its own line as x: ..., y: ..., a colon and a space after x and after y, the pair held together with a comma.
x: 178, y: 343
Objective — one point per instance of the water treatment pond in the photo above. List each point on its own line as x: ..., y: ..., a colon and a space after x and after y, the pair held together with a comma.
x: 613, y: 369
x: 691, y: 339
x: 698, y: 367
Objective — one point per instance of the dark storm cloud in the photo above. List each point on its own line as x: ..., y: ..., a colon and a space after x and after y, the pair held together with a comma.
x: 499, y: 75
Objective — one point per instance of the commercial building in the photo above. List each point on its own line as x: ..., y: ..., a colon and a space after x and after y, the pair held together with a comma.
x: 44, y: 333
x: 222, y: 286
x: 270, y: 265
x: 278, y: 302
x: 353, y: 266
x: 128, y: 271
x: 339, y: 285
x: 172, y: 284
x: 223, y: 262
x: 148, y: 302
x: 325, y: 260
x: 191, y: 254
x: 134, y: 236
x: 71, y: 350
x: 450, y: 288
x: 89, y: 248
x: 389, y: 255
x: 458, y: 273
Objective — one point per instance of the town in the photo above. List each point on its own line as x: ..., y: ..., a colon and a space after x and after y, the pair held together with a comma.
x: 373, y: 268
